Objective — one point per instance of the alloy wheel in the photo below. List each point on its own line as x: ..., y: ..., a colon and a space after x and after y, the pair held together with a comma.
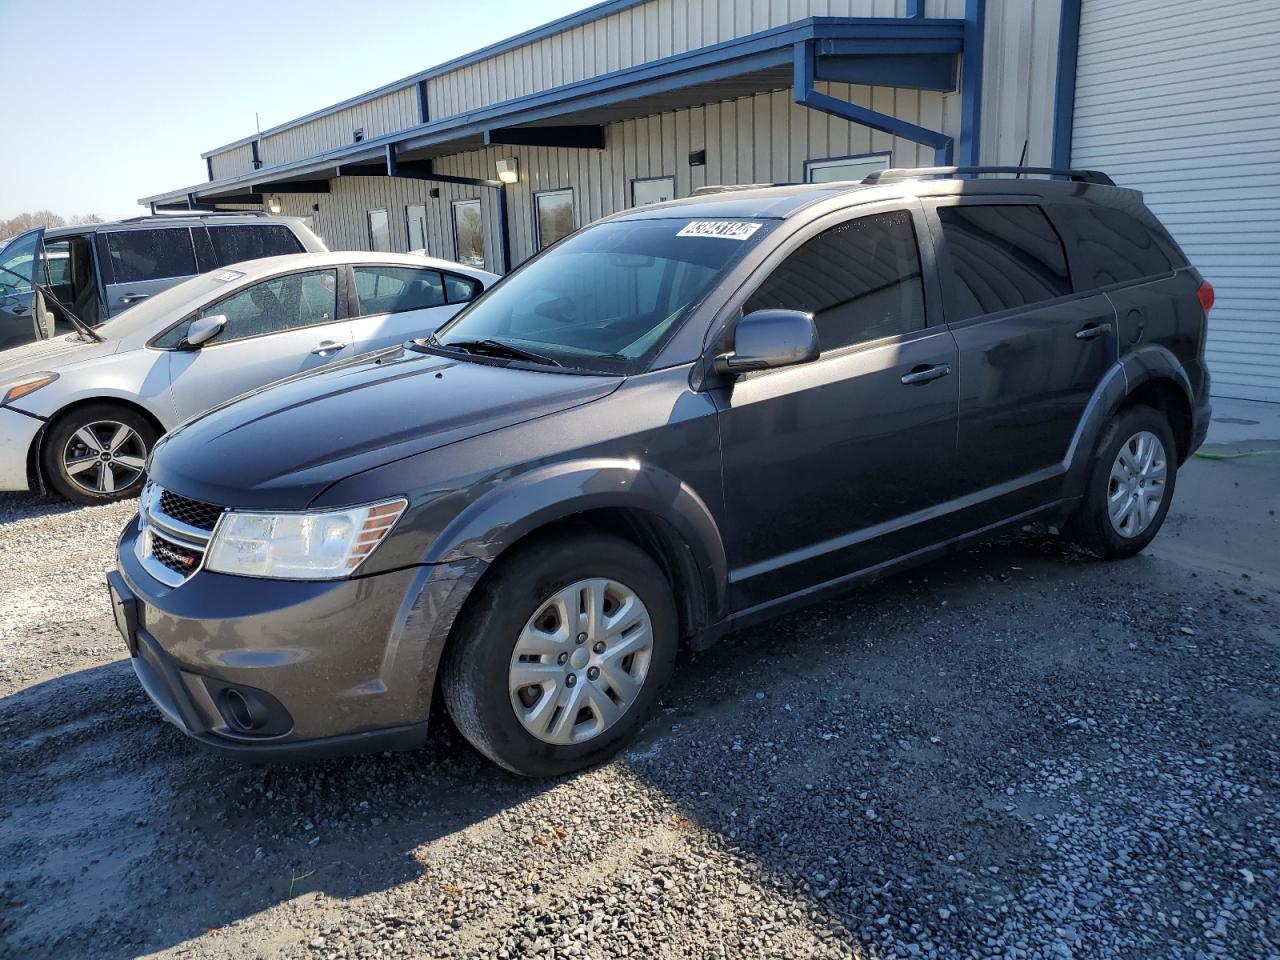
x: 1137, y: 484
x: 104, y: 456
x: 581, y: 661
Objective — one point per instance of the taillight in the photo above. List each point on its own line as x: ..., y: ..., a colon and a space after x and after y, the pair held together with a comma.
x: 1205, y: 296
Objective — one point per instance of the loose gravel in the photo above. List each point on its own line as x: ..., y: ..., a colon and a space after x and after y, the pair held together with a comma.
x: 1014, y: 752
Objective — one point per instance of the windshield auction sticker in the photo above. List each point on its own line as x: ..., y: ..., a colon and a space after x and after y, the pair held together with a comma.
x: 724, y: 229
x: 226, y: 276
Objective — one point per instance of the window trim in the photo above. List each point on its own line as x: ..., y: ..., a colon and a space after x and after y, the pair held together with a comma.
x: 453, y: 210
x: 340, y: 308
x: 946, y: 273
x: 537, y: 216
x: 817, y: 163
x: 635, y: 180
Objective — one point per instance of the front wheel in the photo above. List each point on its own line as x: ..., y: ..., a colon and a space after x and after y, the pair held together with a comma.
x: 561, y: 654
x: 1130, y: 485
x: 98, y: 453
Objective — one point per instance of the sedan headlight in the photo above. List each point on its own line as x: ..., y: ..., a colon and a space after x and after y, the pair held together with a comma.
x: 13, y: 389
x: 324, y: 545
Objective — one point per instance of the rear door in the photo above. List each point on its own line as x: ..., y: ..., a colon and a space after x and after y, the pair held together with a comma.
x: 1031, y: 349
x: 396, y: 303
x: 18, y: 259
x: 275, y: 328
x: 141, y: 263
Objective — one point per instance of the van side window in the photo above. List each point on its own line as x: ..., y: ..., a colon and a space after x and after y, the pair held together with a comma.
x: 861, y: 280
x: 1002, y: 256
x: 1111, y: 246
x: 141, y: 255
x: 233, y: 243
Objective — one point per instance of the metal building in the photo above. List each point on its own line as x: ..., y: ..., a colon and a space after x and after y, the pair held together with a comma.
x: 491, y: 156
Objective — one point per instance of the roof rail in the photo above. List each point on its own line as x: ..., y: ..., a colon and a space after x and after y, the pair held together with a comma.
x: 896, y: 174
x: 730, y: 187
x: 178, y: 214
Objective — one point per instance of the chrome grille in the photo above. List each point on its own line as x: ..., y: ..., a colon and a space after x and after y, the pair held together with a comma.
x: 174, y: 534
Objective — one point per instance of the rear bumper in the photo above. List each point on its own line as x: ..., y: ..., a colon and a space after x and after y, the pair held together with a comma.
x: 17, y: 431
x: 320, y: 668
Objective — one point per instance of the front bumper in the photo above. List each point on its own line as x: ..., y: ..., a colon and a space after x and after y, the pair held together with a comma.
x: 17, y: 432
x: 317, y: 668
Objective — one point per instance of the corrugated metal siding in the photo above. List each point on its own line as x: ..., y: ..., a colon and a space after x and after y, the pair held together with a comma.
x: 233, y: 162
x: 387, y: 114
x: 756, y: 139
x: 1179, y: 101
x: 643, y: 33
x: 1019, y: 80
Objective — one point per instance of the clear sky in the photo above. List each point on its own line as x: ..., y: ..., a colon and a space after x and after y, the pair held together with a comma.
x: 111, y: 100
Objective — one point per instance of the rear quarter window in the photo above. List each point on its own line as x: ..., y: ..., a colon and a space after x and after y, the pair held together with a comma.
x: 1111, y: 246
x: 233, y: 243
x: 140, y: 255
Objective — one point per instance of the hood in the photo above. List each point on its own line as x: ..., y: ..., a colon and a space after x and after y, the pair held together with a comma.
x: 281, y: 446
x: 55, y: 354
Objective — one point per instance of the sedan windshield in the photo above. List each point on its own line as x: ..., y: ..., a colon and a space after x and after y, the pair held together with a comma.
x: 605, y: 299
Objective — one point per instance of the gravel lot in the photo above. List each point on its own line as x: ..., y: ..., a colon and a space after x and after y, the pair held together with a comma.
x: 1012, y: 752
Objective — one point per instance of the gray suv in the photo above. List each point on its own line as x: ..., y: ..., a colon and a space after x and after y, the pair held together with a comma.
x: 680, y: 420
x: 99, y: 270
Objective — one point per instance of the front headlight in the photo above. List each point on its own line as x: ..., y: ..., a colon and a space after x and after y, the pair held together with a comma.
x: 324, y: 545
x: 13, y: 389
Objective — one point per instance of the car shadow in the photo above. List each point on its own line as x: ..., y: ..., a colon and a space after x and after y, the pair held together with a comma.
x: 848, y: 751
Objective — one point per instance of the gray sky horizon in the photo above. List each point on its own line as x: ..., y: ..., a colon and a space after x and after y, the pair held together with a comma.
x: 130, y: 93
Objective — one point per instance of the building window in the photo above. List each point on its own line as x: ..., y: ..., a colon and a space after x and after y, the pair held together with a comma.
x: 379, y: 231
x: 468, y: 232
x: 646, y: 190
x: 836, y: 169
x: 416, y: 218
x: 554, y: 216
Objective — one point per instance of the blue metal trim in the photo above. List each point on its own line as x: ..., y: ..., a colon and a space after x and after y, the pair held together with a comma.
x: 887, y: 154
x: 975, y: 27
x: 1064, y: 97
x: 806, y: 96
x: 911, y: 71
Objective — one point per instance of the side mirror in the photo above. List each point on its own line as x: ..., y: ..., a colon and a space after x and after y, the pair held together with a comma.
x: 767, y: 339
x: 204, y: 329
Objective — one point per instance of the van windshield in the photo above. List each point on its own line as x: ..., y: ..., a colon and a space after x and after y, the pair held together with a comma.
x: 605, y: 299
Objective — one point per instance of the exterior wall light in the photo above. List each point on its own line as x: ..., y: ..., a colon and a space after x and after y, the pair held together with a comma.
x: 274, y: 206
x: 509, y: 170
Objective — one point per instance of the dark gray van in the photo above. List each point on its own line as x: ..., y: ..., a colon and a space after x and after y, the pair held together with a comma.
x: 677, y: 421
x: 99, y: 270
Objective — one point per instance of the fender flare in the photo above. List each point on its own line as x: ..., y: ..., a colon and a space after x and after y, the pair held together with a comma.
x: 514, y: 508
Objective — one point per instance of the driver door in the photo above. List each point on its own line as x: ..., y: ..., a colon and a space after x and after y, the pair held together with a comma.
x: 275, y: 329
x: 18, y: 260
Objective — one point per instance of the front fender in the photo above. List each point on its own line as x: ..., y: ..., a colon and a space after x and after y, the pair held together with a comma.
x: 517, y: 507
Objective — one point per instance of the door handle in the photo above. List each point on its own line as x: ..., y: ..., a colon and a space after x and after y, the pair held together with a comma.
x: 925, y: 374
x: 327, y: 346
x: 134, y: 297
x: 1091, y: 330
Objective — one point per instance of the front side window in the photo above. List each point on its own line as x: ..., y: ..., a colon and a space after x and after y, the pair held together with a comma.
x: 141, y: 255
x: 606, y: 299
x: 234, y: 243
x: 17, y: 264
x: 468, y: 232
x: 845, y: 168
x: 272, y: 306
x: 554, y: 211
x: 861, y: 280
x: 379, y: 231
x: 1002, y: 256
x: 397, y: 289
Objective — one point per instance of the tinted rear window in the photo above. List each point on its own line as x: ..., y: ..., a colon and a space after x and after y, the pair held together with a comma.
x: 1002, y: 256
x: 141, y: 255
x: 1113, y: 247
x: 251, y: 241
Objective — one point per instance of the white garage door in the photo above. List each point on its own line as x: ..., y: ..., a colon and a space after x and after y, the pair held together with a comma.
x: 1181, y: 100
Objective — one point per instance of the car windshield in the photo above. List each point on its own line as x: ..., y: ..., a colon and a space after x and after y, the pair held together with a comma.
x: 605, y: 299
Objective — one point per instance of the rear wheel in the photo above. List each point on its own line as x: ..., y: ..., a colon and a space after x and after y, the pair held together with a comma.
x: 1130, y: 484
x: 562, y: 654
x: 98, y: 453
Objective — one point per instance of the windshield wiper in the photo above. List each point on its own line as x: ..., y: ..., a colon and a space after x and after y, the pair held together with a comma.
x: 494, y: 348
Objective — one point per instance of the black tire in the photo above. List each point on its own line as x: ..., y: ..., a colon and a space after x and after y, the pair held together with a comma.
x: 1091, y: 526
x: 83, y: 487
x: 475, y: 669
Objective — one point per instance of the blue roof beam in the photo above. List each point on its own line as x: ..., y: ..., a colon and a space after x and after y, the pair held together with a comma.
x: 916, y: 71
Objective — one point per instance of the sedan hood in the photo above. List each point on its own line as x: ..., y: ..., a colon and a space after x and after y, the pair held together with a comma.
x: 281, y: 446
x: 55, y: 354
